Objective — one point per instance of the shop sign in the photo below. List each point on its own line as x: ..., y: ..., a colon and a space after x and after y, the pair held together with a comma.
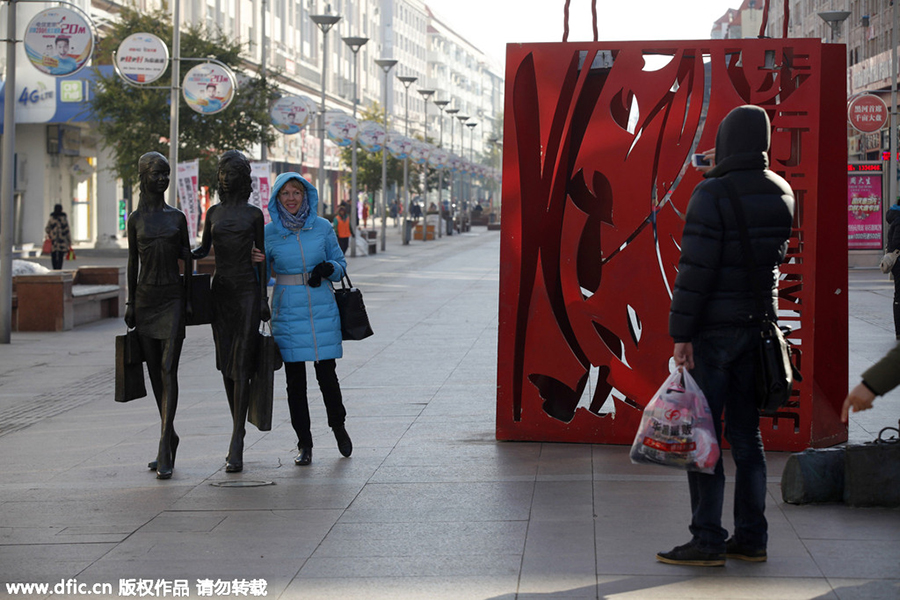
x: 864, y: 186
x: 867, y: 113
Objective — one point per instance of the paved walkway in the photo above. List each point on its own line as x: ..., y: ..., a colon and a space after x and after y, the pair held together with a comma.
x: 429, y: 506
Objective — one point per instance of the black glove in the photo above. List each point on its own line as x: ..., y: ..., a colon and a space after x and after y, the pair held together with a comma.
x: 323, y: 269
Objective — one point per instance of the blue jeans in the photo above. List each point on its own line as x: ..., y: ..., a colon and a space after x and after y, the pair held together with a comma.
x: 724, y: 367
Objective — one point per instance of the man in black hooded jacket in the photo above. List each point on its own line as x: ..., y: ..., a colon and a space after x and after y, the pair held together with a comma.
x: 714, y: 322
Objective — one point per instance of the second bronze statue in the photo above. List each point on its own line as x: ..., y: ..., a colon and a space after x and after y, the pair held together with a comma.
x: 232, y: 229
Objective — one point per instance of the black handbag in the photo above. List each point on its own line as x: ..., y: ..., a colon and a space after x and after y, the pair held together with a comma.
x: 354, y: 318
x: 262, y: 384
x: 201, y: 300
x: 129, y: 368
x: 775, y: 373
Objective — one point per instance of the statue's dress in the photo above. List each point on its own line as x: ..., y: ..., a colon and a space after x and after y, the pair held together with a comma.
x: 159, y: 297
x: 235, y: 290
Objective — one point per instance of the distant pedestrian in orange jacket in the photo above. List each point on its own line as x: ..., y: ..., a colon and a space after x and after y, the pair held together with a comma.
x: 342, y: 228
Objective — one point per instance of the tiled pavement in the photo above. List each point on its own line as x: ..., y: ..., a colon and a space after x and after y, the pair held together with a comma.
x: 429, y: 506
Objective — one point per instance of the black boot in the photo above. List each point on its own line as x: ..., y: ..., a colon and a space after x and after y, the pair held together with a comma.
x: 345, y: 446
x: 304, y: 457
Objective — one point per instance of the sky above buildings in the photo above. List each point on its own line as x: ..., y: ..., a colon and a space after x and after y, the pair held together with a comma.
x: 491, y: 24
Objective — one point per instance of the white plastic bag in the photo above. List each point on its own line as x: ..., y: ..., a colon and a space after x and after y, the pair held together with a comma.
x: 888, y: 260
x: 676, y: 428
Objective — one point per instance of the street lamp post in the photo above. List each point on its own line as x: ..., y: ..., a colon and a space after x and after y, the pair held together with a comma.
x: 7, y: 208
x: 462, y: 151
x: 441, y: 104
x: 426, y: 94
x: 471, y: 127
x: 406, y: 80
x: 452, y: 112
x: 355, y: 43
x: 386, y: 65
x: 325, y: 23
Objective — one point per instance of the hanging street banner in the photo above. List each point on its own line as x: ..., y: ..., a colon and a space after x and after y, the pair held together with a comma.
x: 371, y: 136
x: 209, y: 88
x: 341, y: 128
x: 290, y: 114
x: 259, y: 196
x: 439, y: 158
x: 420, y: 152
x: 188, y: 177
x: 398, y: 145
x: 142, y: 58
x: 58, y: 41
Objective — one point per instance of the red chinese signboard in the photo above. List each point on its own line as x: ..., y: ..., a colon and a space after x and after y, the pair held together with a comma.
x: 867, y: 113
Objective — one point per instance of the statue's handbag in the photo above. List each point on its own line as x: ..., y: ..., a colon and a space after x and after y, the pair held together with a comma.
x: 129, y: 368
x: 262, y: 384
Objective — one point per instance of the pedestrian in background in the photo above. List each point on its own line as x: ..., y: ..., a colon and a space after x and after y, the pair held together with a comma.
x: 57, y: 230
x: 893, y: 243
x: 233, y: 228
x: 714, y: 323
x: 303, y: 253
x: 342, y: 228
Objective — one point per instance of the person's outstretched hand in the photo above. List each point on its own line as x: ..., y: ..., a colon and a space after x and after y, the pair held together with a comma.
x: 859, y: 398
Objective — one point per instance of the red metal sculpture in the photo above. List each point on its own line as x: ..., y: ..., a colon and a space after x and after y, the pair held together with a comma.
x: 596, y: 179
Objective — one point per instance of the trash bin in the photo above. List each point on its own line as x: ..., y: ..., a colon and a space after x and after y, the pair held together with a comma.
x: 407, y: 231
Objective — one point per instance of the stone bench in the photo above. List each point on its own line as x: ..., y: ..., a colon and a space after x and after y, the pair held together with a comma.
x: 61, y: 300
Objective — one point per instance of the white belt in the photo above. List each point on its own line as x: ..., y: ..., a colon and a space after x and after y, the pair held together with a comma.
x: 298, y: 279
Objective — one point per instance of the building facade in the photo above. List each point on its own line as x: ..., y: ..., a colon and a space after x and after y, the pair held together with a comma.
x: 278, y: 35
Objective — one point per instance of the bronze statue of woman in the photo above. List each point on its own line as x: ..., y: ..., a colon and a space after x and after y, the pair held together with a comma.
x: 233, y: 227
x: 158, y: 301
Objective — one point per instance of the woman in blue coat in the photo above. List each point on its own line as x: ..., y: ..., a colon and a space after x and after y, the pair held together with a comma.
x: 302, y: 253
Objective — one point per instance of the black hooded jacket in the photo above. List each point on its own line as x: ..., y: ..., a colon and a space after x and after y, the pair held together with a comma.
x: 713, y: 288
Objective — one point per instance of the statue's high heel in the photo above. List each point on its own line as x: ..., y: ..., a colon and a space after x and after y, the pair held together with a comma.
x: 165, y: 471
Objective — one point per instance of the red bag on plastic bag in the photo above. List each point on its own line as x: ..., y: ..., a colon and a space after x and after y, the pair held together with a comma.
x: 676, y: 428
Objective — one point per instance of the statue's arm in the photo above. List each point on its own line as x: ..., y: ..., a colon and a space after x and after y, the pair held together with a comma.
x: 188, y: 263
x: 202, y: 251
x: 261, y: 270
x: 131, y: 270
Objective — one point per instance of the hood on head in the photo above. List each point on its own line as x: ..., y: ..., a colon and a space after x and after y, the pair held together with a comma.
x: 742, y: 141
x: 312, y: 195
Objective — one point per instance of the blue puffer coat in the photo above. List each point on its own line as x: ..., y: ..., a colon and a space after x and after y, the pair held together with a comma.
x: 305, y: 320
